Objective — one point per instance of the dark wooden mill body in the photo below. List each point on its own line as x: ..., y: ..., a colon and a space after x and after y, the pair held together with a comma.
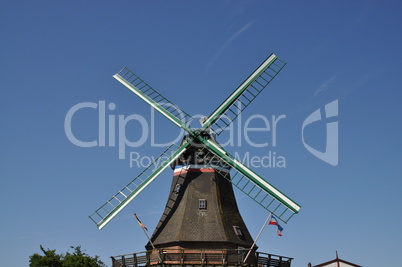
x: 201, y: 211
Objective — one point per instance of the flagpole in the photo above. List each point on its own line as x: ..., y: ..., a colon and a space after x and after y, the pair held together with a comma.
x: 258, y: 236
x: 145, y: 232
x: 149, y: 239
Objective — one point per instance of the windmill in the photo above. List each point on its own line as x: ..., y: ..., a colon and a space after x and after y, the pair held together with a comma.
x: 201, y: 211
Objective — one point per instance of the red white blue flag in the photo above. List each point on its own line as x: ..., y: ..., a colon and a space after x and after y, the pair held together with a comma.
x: 274, y: 221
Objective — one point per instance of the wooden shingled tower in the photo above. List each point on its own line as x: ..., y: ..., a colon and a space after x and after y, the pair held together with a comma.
x: 201, y: 224
x: 201, y: 211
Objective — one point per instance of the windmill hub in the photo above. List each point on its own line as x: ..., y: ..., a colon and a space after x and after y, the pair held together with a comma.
x: 196, y: 153
x: 195, y: 138
x: 199, y: 133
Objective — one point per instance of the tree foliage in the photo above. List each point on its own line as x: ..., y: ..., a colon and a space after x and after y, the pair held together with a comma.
x: 77, y: 258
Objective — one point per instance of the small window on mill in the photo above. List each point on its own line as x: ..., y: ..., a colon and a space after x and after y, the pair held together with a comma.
x: 202, y: 204
x: 237, y: 230
x: 177, y: 188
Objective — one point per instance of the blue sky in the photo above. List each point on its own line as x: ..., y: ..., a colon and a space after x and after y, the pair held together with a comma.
x: 57, y: 54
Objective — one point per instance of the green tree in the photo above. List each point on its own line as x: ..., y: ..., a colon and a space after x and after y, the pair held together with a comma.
x: 78, y: 258
x: 49, y: 259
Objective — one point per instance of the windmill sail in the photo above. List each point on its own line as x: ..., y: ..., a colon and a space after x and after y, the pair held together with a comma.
x: 244, y: 95
x: 122, y: 198
x: 153, y: 98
